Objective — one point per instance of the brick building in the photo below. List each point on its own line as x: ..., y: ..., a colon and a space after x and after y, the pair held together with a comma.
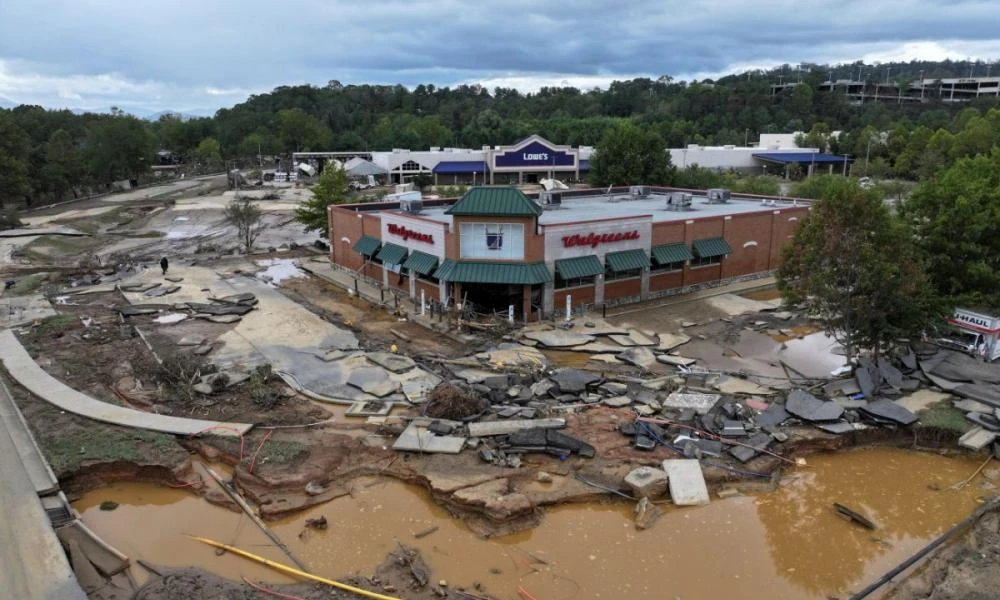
x: 496, y: 247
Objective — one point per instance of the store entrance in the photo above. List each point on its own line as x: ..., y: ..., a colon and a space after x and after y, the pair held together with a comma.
x: 489, y: 299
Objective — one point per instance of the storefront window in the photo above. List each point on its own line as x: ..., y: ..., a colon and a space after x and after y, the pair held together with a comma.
x: 664, y: 267
x: 561, y: 283
x: 610, y: 275
x: 700, y: 261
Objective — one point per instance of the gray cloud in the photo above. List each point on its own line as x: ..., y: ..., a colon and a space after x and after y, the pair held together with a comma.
x: 189, y: 54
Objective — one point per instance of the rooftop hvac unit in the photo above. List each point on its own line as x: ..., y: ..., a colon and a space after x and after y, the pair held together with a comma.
x: 718, y: 196
x: 412, y: 205
x: 678, y: 201
x: 638, y: 191
x: 550, y: 198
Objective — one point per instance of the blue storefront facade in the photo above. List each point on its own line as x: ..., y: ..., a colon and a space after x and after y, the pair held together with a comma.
x: 532, y: 159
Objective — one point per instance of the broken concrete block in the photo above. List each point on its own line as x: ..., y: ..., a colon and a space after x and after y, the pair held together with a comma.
x: 396, y: 363
x: 418, y: 438
x: 558, y: 338
x: 490, y: 428
x: 647, y: 482
x: 686, y: 482
x: 887, y: 409
x: 701, y: 403
x: 977, y: 438
x: 639, y: 356
x: 646, y: 514
x: 806, y: 406
x: 614, y: 388
x: 677, y: 361
x: 618, y: 401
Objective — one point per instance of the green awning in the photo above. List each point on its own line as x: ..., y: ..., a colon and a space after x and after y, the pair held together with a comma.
x: 711, y: 247
x: 502, y: 273
x: 671, y: 253
x: 575, y: 268
x: 421, y: 262
x: 367, y: 245
x: 392, y: 254
x: 627, y: 260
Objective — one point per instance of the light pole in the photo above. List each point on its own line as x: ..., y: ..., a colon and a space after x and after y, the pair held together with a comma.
x: 846, y: 156
x: 867, y: 152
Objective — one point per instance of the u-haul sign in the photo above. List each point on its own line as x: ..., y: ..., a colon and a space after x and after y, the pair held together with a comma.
x: 978, y: 321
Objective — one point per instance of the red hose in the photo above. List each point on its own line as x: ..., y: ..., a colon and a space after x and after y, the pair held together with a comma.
x: 261, y: 588
x: 259, y: 446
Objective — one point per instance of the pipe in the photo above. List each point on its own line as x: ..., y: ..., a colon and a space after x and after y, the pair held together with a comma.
x: 946, y: 536
x: 292, y: 571
x: 238, y: 499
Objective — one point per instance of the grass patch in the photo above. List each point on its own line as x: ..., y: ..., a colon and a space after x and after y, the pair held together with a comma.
x: 78, y: 445
x: 28, y: 284
x: 944, y: 416
x: 56, y: 323
x: 282, y: 452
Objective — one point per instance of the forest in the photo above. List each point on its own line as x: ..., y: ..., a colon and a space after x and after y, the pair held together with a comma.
x: 51, y: 155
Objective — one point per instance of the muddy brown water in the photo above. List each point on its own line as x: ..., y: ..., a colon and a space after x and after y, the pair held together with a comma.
x: 784, y: 544
x: 764, y: 295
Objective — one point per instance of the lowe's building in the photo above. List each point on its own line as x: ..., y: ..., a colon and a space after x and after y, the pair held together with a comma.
x: 535, y: 158
x: 496, y: 247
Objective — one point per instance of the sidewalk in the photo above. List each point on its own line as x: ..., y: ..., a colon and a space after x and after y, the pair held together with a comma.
x: 27, y: 372
x: 732, y: 288
x: 322, y: 268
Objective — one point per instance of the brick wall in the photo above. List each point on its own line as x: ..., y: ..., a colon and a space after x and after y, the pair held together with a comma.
x: 619, y: 289
x: 581, y: 295
x: 665, y: 281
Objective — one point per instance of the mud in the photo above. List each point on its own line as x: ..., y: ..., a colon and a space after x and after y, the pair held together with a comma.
x: 785, y: 544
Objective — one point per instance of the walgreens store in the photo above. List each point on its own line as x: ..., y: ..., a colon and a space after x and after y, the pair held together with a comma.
x: 496, y: 247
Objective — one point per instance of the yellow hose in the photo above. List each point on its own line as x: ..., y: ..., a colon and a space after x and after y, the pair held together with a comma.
x: 293, y: 571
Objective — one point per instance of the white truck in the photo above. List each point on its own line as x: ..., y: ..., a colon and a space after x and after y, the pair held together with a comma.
x: 973, y: 332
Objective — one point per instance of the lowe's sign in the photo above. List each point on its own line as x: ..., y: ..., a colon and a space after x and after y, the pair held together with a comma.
x: 535, y: 154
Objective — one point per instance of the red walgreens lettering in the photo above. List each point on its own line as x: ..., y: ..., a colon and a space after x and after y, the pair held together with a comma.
x: 409, y: 234
x: 595, y: 239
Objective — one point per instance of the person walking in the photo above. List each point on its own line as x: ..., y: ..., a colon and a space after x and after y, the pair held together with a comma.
x: 164, y: 264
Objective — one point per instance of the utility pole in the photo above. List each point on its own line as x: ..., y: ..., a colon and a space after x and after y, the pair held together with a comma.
x: 921, y: 85
x: 868, y: 149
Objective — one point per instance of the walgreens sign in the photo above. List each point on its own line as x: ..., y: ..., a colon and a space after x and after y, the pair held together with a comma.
x: 596, y: 239
x: 409, y: 234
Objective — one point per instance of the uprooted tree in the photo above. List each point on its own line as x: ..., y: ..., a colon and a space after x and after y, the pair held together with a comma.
x: 854, y: 265
x: 248, y: 220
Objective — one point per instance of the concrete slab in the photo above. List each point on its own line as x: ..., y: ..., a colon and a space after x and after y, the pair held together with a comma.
x: 22, y: 368
x: 417, y: 438
x: 806, y: 406
x: 647, y: 482
x: 491, y: 428
x: 677, y: 361
x: 397, y: 363
x: 921, y: 399
x: 17, y: 310
x: 33, y: 564
x: 734, y: 385
x: 372, y: 408
x: 557, y: 338
x: 686, y: 482
x: 700, y: 403
x: 669, y: 341
x: 639, y: 356
x: 966, y: 405
x: 35, y: 465
x: 598, y: 348
x: 733, y: 305
x: 617, y: 401
x: 977, y: 438
x: 887, y: 409
x: 516, y: 355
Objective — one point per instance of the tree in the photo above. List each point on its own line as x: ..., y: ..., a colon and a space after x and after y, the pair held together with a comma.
x: 248, y: 220
x: 955, y: 216
x: 15, y: 187
x: 628, y: 155
x: 119, y: 147
x: 854, y: 264
x: 299, y: 130
x: 330, y: 189
x: 209, y: 152
x: 63, y: 165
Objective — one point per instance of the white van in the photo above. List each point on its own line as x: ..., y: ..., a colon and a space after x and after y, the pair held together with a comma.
x: 975, y: 333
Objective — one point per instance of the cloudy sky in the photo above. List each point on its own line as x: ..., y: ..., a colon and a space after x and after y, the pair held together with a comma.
x: 200, y: 55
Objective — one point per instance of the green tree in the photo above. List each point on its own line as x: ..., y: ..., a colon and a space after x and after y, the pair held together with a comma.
x: 63, y: 165
x: 118, y: 147
x: 955, y: 216
x: 330, y: 189
x: 209, y: 152
x: 15, y: 148
x: 299, y: 130
x: 854, y: 264
x: 628, y: 155
x: 818, y: 186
